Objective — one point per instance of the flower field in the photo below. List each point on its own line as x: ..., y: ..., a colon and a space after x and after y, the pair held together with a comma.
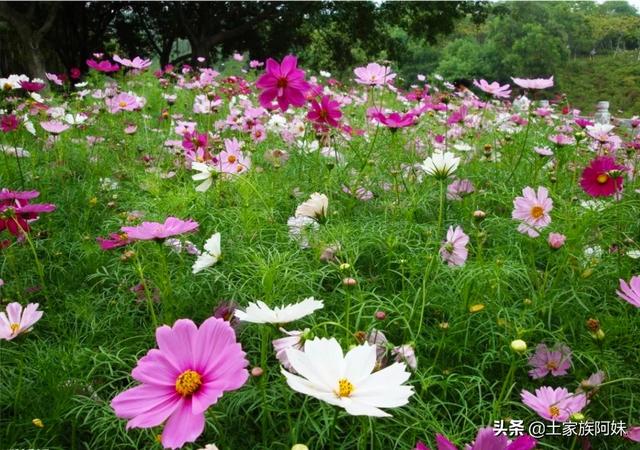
x: 257, y: 256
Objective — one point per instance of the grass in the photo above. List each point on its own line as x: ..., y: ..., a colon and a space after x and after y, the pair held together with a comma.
x: 79, y: 356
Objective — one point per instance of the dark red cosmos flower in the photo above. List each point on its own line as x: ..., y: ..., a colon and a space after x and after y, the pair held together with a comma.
x: 602, y: 177
x: 16, y: 212
x: 32, y: 86
x: 326, y: 112
x: 9, y: 122
x: 75, y: 73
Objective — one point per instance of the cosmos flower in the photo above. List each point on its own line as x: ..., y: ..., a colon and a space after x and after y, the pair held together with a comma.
x: 373, y: 74
x: 18, y: 320
x: 259, y: 312
x: 326, y: 112
x: 283, y: 82
x: 210, y: 255
x: 459, y: 189
x: 347, y: 380
x: 189, y: 372
x: 486, y: 439
x: 494, y: 89
x: 556, y: 240
x: 441, y: 165
x: 114, y: 240
x: 602, y: 177
x: 54, y: 126
x: 231, y: 160
x: 8, y: 123
x: 630, y: 292
x: 454, y: 249
x: 536, y: 83
x: 125, y: 101
x: 17, y: 213
x: 160, y: 231
x: 293, y: 339
x: 316, y: 207
x: 554, y: 404
x: 103, y: 66
x: 532, y: 210
x: 300, y: 227
x: 136, y: 63
x: 394, y: 120
x: 545, y: 361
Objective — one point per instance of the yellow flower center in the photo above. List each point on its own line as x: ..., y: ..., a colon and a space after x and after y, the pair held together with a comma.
x: 231, y: 159
x: 14, y: 328
x: 551, y: 365
x: 122, y: 104
x: 188, y: 383
x: 345, y: 388
x: 537, y: 212
x: 602, y: 178
x: 554, y: 411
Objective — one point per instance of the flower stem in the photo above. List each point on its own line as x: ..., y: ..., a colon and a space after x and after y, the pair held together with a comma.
x: 441, y: 208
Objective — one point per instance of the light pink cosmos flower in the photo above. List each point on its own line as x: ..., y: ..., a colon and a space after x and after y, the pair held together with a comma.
x: 54, y: 126
x: 494, y: 88
x: 124, y: 101
x: 283, y: 82
x: 556, y: 240
x: 373, y: 74
x: 188, y: 372
x: 630, y: 292
x: 532, y: 210
x: 18, y: 320
x: 562, y: 139
x: 159, y: 231
x: 543, y: 151
x: 454, y: 249
x: 54, y: 78
x: 536, y: 83
x: 545, y: 361
x: 459, y: 189
x: 231, y: 159
x: 405, y: 353
x: 294, y: 339
x: 137, y: 62
x: 554, y: 404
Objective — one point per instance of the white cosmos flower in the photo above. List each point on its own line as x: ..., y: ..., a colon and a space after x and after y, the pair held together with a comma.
x: 347, y: 380
x: 18, y: 152
x: 210, y: 255
x: 205, y: 175
x: 259, y: 312
x: 75, y: 119
x: 441, y: 165
x: 316, y: 207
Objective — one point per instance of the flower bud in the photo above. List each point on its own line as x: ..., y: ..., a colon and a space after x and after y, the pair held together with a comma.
x: 556, y: 240
x: 345, y: 266
x: 519, y: 346
x: 38, y: 423
x: 479, y: 214
x: 299, y: 447
x: 578, y: 417
x: 257, y: 371
x: 349, y: 282
x: 381, y: 315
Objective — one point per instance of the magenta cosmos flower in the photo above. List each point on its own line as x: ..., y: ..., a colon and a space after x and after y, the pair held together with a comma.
x: 373, y: 74
x: 454, y: 249
x: 532, y: 210
x: 32, y: 86
x: 545, y: 361
x: 159, y: 231
x: 394, y: 120
x: 630, y: 292
x: 554, y: 404
x: 602, y: 177
x: 18, y: 320
x: 16, y: 213
x: 535, y: 83
x: 115, y: 240
x: 8, y: 123
x: 486, y: 439
x: 494, y: 88
x: 189, y: 372
x: 103, y: 66
x: 283, y: 82
x: 326, y: 112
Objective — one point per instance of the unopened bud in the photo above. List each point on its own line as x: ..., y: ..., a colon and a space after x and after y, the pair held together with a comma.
x: 519, y: 346
x: 257, y: 371
x: 349, y: 282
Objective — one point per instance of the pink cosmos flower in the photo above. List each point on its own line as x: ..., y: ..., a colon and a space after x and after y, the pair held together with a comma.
x: 115, y: 240
x: 494, y: 88
x: 562, y: 139
x: 602, y: 177
x: 394, y: 120
x: 360, y: 193
x: 486, y: 439
x: 544, y: 361
x: 405, y: 353
x: 556, y: 240
x: 326, y: 112
x: 54, y: 126
x: 583, y: 123
x: 8, y: 123
x: 543, y: 151
x: 231, y: 159
x: 633, y: 434
x: 532, y: 210
x: 159, y: 231
x: 124, y: 101
x: 137, y: 62
x: 16, y: 213
x: 554, y: 404
x: 17, y: 321
x: 294, y: 339
x: 32, y: 86
x: 374, y: 74
x: 630, y: 292
x: 459, y: 189
x: 536, y: 83
x: 189, y: 372
x: 54, y: 78
x: 254, y: 64
x: 103, y: 66
x: 284, y: 82
x: 454, y: 249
